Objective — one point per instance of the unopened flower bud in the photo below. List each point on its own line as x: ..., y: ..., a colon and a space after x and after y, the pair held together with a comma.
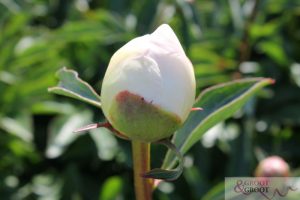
x: 149, y: 86
x: 272, y: 166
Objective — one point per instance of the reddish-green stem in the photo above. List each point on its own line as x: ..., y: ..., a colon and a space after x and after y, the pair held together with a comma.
x: 141, y: 164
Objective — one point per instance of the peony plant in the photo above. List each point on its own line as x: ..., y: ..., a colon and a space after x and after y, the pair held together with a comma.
x: 147, y: 96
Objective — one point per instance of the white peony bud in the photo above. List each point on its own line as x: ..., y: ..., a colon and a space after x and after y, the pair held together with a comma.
x: 149, y: 86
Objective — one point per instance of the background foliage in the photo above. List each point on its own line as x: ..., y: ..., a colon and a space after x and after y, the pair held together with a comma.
x: 42, y: 159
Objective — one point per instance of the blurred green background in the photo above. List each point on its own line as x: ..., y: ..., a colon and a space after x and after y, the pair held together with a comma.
x: 40, y: 157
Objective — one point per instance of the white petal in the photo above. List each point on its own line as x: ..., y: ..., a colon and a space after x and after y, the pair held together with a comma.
x: 165, y: 38
x: 154, y: 67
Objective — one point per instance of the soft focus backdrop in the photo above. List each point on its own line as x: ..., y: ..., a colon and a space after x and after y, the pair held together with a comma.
x: 40, y: 157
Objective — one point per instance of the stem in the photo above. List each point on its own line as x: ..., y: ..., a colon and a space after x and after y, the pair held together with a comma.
x: 245, y: 43
x: 141, y: 164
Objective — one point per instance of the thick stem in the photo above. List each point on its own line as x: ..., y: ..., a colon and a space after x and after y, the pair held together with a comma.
x: 141, y: 164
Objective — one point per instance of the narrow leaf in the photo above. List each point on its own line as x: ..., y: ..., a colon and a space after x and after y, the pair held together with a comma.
x: 71, y: 85
x: 218, y: 103
x: 167, y: 174
x: 216, y: 193
x: 14, y: 126
x: 106, y: 143
x: 61, y: 132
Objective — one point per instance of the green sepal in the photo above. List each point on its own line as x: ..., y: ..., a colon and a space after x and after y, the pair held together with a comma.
x: 141, y: 120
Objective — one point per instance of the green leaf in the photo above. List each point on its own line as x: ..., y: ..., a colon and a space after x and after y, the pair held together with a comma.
x: 275, y: 51
x: 167, y: 174
x: 112, y: 188
x: 105, y: 142
x: 219, y: 103
x: 71, y: 85
x: 216, y: 193
x: 15, y: 127
x: 61, y: 132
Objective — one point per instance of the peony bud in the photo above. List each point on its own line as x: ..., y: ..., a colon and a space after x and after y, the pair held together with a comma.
x: 272, y: 166
x: 149, y: 86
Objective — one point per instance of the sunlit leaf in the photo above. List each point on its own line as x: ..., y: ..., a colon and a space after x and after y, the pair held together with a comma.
x: 72, y: 86
x: 111, y: 188
x: 106, y: 143
x: 61, y: 133
x: 14, y: 126
x: 274, y: 50
x: 219, y: 103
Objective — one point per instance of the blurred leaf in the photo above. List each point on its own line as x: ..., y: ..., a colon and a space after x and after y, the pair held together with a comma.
x: 215, y: 193
x: 61, y: 133
x: 87, y: 31
x: 295, y: 73
x: 48, y: 186
x: 106, y: 143
x: 72, y: 86
x: 111, y: 188
x: 195, y: 179
x: 274, y: 50
x: 100, y: 25
x: 7, y: 77
x: 264, y: 30
x: 210, y: 67
x: 72, y: 183
x: 14, y: 126
x: 237, y: 14
x: 219, y: 103
x: 52, y: 107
